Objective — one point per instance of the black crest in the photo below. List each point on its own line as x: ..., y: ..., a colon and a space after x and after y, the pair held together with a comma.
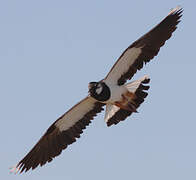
x: 99, y: 90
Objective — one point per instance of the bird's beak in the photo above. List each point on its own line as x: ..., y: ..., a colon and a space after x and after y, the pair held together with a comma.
x: 90, y: 85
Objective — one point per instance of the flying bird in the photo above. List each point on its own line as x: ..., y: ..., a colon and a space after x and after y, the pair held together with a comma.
x: 120, y: 98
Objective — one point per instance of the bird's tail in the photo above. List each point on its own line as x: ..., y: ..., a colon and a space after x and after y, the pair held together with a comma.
x: 136, y: 93
x: 131, y: 100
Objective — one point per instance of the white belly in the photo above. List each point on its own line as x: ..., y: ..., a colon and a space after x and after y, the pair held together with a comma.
x: 116, y: 93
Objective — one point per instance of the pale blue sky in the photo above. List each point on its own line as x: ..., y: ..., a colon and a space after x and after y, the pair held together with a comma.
x: 50, y: 50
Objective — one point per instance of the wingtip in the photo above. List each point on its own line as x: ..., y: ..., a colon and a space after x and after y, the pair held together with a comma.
x: 14, y: 169
x: 177, y: 9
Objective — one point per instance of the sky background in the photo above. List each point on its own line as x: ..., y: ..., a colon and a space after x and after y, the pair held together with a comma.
x: 50, y: 50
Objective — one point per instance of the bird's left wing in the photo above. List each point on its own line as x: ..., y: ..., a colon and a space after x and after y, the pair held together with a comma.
x: 144, y: 49
x: 60, y: 134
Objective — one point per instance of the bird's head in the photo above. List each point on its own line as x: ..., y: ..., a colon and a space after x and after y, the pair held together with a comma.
x: 95, y: 88
x: 99, y: 90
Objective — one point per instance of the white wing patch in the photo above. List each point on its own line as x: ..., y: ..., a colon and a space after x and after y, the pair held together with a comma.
x: 110, y: 111
x: 75, y: 114
x: 123, y: 64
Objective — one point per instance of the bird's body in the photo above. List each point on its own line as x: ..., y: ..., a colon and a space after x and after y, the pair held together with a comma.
x: 111, y: 94
x: 116, y: 93
x: 120, y: 99
x: 114, y: 90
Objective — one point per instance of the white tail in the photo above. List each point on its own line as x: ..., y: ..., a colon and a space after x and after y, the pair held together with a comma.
x: 133, y: 86
x: 131, y: 100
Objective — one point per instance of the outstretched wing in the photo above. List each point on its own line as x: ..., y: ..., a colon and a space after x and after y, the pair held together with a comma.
x: 144, y: 49
x: 61, y: 133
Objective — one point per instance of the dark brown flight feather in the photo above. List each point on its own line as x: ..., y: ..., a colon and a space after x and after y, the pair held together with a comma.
x: 150, y: 44
x: 54, y: 141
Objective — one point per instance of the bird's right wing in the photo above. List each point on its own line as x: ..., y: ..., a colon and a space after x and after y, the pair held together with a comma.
x: 144, y: 49
x: 60, y: 134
